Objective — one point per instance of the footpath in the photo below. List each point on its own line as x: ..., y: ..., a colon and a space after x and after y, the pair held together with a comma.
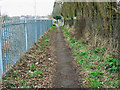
x: 66, y: 76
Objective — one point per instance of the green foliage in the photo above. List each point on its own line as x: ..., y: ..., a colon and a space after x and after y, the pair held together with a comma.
x: 95, y: 84
x: 75, y: 52
x: 32, y: 66
x: 80, y: 59
x: 21, y: 82
x: 47, y: 40
x: 46, y: 44
x: 6, y: 78
x: 72, y: 40
x: 83, y: 53
x: 54, y: 26
x: 44, y: 65
x: 24, y: 86
x: 99, y: 50
x: 94, y: 66
x: 58, y: 17
x: 13, y: 75
x: 94, y: 61
x: 112, y: 64
x: 10, y: 84
x: 35, y: 74
x: 96, y: 74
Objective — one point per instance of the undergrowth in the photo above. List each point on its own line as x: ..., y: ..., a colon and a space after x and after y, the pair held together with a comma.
x: 99, y: 72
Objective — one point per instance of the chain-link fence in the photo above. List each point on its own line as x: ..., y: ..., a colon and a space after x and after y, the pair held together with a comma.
x: 17, y: 38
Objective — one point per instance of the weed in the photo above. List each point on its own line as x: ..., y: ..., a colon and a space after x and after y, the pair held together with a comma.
x: 35, y: 80
x: 47, y: 40
x: 75, y: 52
x: 45, y: 44
x: 86, y: 57
x: 99, y: 50
x: 6, y: 78
x: 95, y: 84
x: 112, y: 64
x: 94, y: 56
x: 10, y: 84
x: 17, y: 78
x: 94, y: 66
x: 84, y: 66
x: 24, y: 86
x: 44, y: 65
x: 32, y: 66
x: 33, y: 85
x: 72, y: 40
x: 83, y: 53
x: 90, y: 65
x: 96, y: 74
x: 21, y: 82
x: 79, y: 59
x: 13, y: 75
x: 35, y: 74
x: 45, y: 54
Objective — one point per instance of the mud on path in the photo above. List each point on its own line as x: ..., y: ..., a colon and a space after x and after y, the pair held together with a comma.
x: 66, y: 76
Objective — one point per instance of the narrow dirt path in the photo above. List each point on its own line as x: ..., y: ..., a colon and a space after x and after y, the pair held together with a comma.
x: 66, y: 76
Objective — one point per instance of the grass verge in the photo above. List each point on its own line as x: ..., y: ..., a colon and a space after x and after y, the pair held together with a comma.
x: 36, y: 68
x: 96, y: 71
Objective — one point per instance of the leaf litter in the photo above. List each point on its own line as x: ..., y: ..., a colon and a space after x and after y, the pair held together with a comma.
x: 36, y: 68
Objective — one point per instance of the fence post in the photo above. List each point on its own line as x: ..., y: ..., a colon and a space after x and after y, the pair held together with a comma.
x: 25, y: 33
x: 1, y: 61
x: 35, y: 30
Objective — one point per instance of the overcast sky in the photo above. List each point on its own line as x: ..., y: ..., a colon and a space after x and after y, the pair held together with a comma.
x: 26, y: 7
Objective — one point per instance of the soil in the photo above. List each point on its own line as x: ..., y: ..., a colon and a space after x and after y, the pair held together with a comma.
x: 66, y: 76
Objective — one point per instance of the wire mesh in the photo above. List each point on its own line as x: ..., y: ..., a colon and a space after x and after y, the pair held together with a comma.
x: 15, y: 36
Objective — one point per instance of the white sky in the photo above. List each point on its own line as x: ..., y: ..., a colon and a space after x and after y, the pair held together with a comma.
x: 26, y: 7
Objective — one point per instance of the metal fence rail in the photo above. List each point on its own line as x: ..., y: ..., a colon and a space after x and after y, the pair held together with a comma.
x: 16, y: 39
